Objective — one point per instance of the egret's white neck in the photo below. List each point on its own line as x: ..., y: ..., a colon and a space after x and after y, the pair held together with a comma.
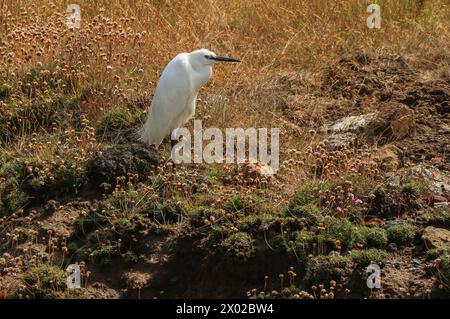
x: 201, y: 75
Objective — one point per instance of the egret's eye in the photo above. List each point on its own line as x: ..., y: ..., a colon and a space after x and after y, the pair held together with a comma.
x: 208, y: 56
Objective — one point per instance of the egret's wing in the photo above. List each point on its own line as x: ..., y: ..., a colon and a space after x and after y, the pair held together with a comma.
x: 169, y: 102
x: 172, y: 92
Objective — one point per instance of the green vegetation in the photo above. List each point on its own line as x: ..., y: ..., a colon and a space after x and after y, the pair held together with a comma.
x: 444, y: 266
x: 434, y: 253
x: 243, y: 204
x: 411, y: 189
x: 341, y: 230
x: 43, y: 280
x: 301, y: 244
x: 363, y: 258
x: 309, y: 212
x: 308, y: 194
x: 260, y: 221
x: 323, y: 269
x: 240, y: 245
x: 118, y: 118
x: 375, y: 237
x: 104, y: 255
x: 400, y: 234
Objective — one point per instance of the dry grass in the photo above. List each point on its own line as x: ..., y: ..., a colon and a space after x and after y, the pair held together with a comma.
x: 115, y: 58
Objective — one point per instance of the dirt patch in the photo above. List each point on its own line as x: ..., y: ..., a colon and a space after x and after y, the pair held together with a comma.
x: 60, y: 223
x: 397, y: 88
x: 122, y: 160
x: 408, y: 275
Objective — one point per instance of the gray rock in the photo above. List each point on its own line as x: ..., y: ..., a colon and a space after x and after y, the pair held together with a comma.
x: 340, y: 140
x: 353, y: 124
x: 391, y: 247
x: 436, y: 237
x: 437, y: 181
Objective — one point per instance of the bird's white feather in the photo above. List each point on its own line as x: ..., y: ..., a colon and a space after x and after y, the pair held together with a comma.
x: 176, y: 92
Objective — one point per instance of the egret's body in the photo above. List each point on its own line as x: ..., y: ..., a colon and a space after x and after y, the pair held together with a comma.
x: 176, y: 93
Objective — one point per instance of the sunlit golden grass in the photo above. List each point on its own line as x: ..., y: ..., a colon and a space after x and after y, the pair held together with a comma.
x: 116, y: 57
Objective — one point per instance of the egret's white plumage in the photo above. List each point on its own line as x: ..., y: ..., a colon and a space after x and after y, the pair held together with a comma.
x: 176, y: 93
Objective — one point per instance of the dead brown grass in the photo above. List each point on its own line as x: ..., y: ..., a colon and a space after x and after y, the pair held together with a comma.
x: 122, y: 46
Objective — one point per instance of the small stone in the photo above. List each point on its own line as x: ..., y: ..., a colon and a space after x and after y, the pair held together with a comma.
x: 340, y: 140
x: 439, y: 199
x: 394, y: 121
x: 391, y: 247
x: 434, y: 199
x: 51, y: 206
x: 353, y: 124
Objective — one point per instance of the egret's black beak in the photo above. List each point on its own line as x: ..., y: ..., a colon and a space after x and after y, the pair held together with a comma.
x: 224, y: 59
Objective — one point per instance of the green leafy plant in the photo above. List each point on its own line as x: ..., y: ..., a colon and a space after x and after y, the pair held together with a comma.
x: 400, y: 233
x: 240, y: 245
x: 323, y: 269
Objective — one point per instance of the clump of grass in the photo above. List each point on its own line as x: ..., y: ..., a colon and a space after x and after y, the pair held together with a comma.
x: 341, y: 230
x: 434, y: 253
x: 366, y: 257
x: 100, y: 235
x: 440, y: 217
x: 257, y: 222
x: 301, y: 244
x: 13, y: 199
x: 400, y: 234
x: 322, y: 269
x: 444, y: 266
x: 246, y: 204
x: 35, y: 115
x: 44, y: 280
x: 118, y: 118
x: 84, y: 224
x: 120, y: 222
x: 311, y: 214
x: 34, y: 173
x: 379, y: 192
x: 411, y: 189
x: 103, y: 255
x: 240, y: 245
x: 124, y: 227
x: 170, y: 211
x: 375, y: 237
x: 308, y: 194
x: 62, y: 178
x: 72, y: 247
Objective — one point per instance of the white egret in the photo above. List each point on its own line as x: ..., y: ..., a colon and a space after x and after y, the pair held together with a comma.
x: 176, y: 93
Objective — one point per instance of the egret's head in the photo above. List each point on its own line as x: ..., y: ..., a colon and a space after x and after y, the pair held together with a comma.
x: 206, y: 57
